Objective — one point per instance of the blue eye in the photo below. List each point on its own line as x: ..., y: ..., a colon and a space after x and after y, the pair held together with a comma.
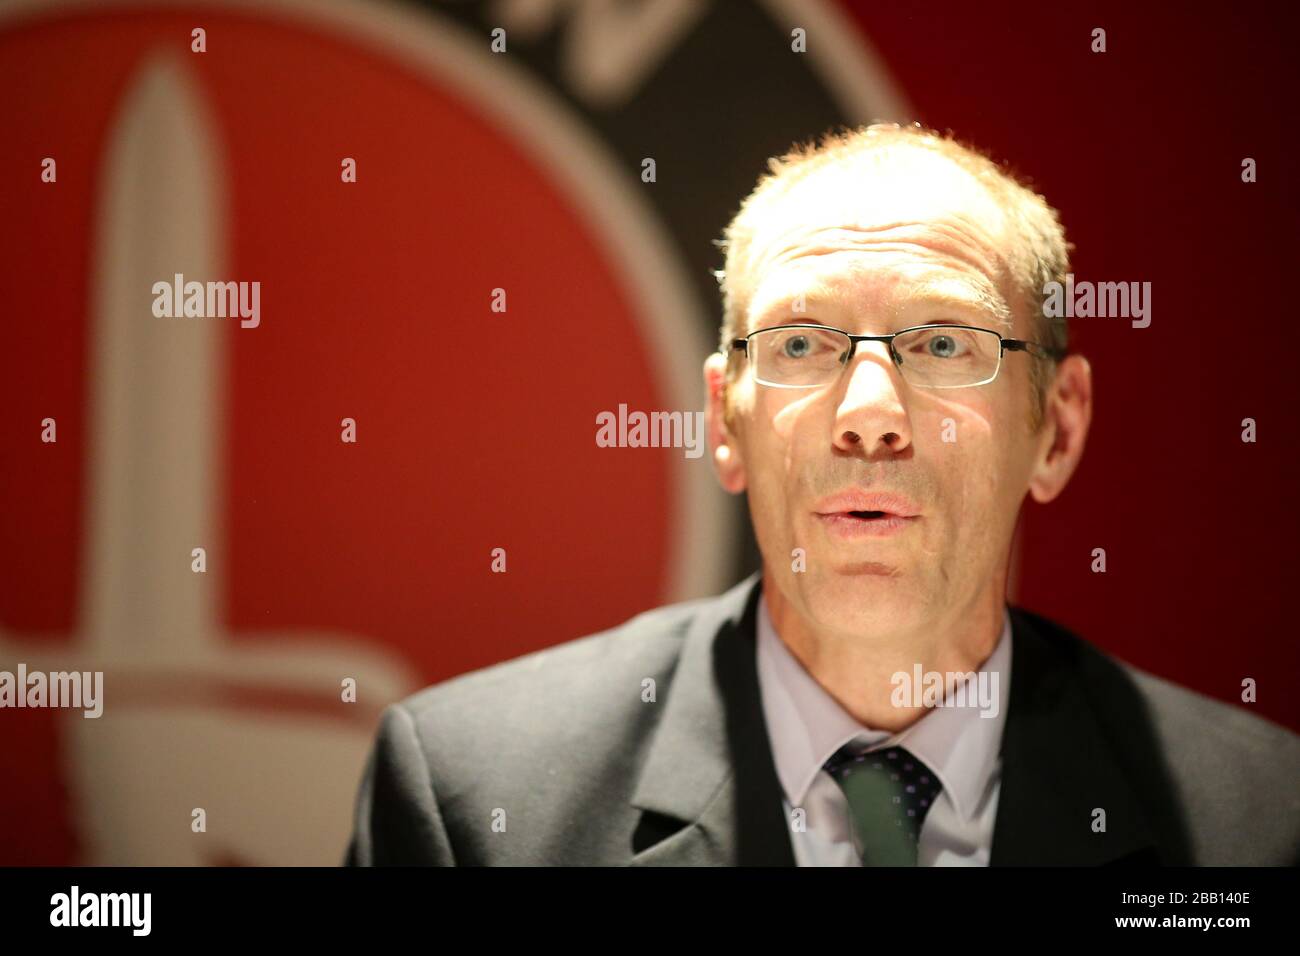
x: 942, y: 346
x: 797, y: 346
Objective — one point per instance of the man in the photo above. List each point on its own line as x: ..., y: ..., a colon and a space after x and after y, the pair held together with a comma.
x: 887, y: 393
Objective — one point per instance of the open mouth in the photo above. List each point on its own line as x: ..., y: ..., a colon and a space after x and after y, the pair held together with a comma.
x: 866, y: 524
x: 851, y: 515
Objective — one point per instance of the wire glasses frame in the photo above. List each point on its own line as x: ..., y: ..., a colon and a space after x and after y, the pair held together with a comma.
x: 914, y: 374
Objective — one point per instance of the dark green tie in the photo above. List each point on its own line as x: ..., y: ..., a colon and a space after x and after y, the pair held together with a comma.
x: 889, y: 793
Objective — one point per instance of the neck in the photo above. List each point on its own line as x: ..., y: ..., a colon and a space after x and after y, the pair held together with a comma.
x: 857, y: 669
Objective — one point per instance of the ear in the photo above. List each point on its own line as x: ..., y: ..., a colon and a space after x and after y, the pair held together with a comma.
x: 727, y: 461
x: 1067, y: 415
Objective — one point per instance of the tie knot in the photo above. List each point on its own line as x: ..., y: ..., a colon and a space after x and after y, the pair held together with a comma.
x: 889, y: 792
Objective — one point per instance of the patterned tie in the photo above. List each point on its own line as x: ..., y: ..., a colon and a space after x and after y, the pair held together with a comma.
x: 889, y: 793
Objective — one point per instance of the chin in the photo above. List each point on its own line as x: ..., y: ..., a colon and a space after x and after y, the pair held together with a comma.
x: 860, y: 599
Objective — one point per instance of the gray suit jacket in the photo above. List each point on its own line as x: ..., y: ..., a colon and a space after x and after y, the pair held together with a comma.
x: 561, y: 747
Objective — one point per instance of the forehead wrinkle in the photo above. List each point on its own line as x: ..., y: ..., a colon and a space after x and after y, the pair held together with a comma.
x: 953, y: 248
x: 956, y: 235
x: 953, y: 237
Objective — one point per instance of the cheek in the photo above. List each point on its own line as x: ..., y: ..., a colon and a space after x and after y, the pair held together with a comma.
x: 770, y: 463
x: 781, y: 424
x: 978, y: 462
x: 765, y: 475
x: 957, y: 442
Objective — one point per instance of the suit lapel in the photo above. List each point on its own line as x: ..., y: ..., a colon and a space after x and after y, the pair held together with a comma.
x: 708, y: 790
x: 1077, y: 740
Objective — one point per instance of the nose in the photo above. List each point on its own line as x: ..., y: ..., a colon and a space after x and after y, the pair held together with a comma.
x: 871, y: 418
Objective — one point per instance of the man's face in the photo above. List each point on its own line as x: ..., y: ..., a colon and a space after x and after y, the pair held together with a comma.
x: 872, y: 251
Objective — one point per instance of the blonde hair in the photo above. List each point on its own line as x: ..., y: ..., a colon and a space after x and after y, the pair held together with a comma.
x: 1040, y: 254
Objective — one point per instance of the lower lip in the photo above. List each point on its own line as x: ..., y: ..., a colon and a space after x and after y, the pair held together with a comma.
x: 846, y: 526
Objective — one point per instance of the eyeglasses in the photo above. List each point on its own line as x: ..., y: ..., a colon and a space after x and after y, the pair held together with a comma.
x: 927, y: 356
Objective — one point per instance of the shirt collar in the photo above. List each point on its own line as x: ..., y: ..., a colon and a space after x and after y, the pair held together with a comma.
x: 806, y: 725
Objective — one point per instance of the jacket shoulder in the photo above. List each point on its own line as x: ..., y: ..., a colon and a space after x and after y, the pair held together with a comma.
x: 1236, y: 774
x: 584, y: 675
x: 1233, y: 773
x: 546, y: 740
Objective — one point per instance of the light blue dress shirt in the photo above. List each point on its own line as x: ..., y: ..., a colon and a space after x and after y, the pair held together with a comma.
x: 806, y: 726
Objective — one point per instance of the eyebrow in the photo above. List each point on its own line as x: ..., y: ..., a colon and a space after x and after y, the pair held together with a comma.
x: 962, y: 294
x: 814, y: 296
